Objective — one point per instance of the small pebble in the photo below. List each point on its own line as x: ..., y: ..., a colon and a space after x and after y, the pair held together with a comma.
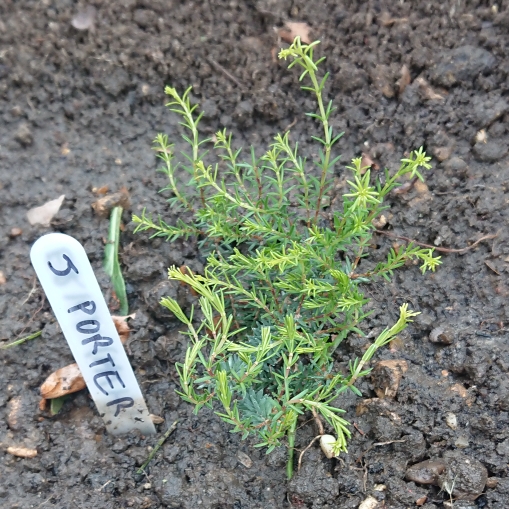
x: 3, y: 279
x: 491, y: 482
x: 369, y: 503
x: 24, y: 135
x: 442, y: 334
x: 147, y: 486
x: 425, y: 472
x: 461, y: 442
x: 15, y: 232
x: 451, y: 420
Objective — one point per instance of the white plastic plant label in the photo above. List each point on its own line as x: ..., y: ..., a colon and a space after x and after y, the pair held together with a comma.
x: 66, y: 276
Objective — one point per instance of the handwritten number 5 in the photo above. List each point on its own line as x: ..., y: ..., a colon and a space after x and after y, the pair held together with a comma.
x: 70, y: 266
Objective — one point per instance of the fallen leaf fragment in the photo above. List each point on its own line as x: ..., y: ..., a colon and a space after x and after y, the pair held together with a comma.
x: 293, y: 29
x: 103, y: 206
x: 122, y: 326
x: 69, y: 379
x: 63, y: 381
x: 22, y: 452
x: 367, y: 163
x: 156, y: 419
x: 45, y: 213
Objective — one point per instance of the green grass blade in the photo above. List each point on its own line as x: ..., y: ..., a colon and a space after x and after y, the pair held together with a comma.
x: 111, y: 264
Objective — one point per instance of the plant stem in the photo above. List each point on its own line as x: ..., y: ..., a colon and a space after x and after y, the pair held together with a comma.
x: 291, y: 448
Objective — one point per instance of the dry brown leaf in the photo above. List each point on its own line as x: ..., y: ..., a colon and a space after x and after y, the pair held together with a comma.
x: 122, y: 326
x: 293, y: 29
x: 45, y: 213
x: 103, y: 206
x: 22, y: 452
x: 156, y: 419
x: 367, y: 162
x: 63, y: 381
x: 69, y: 379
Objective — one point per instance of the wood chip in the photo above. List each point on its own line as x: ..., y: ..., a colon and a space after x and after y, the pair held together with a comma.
x: 22, y: 452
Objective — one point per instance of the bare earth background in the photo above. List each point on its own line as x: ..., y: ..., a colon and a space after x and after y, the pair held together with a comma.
x: 79, y: 109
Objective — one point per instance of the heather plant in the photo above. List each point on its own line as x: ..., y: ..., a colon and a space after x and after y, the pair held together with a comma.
x: 281, y: 288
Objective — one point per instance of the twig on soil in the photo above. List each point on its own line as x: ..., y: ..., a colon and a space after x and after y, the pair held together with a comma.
x: 159, y: 444
x: 441, y: 249
x: 358, y: 429
x: 289, y: 126
x: 318, y: 422
x: 299, y: 464
x: 378, y: 444
x: 220, y: 68
x: 32, y: 291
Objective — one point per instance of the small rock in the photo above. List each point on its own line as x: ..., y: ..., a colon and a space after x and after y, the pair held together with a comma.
x: 24, y: 135
x: 462, y: 64
x: 503, y: 448
x: 3, y: 279
x: 326, y: 443
x: 443, y: 153
x: 461, y: 442
x: 15, y: 232
x: 451, y: 420
x: 14, y: 407
x: 490, y: 151
x: 491, y: 482
x: 386, y: 377
x: 85, y: 19
x: 426, y: 472
x: 145, y: 18
x: 442, y: 334
x: 456, y: 164
x: 464, y: 477
x: 382, y: 79
x: 369, y: 503
x: 243, y: 113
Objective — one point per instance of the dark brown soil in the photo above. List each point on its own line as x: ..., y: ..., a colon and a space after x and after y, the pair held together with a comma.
x: 79, y: 109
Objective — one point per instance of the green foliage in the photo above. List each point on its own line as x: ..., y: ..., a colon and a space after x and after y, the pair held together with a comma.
x: 111, y: 263
x: 280, y: 289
